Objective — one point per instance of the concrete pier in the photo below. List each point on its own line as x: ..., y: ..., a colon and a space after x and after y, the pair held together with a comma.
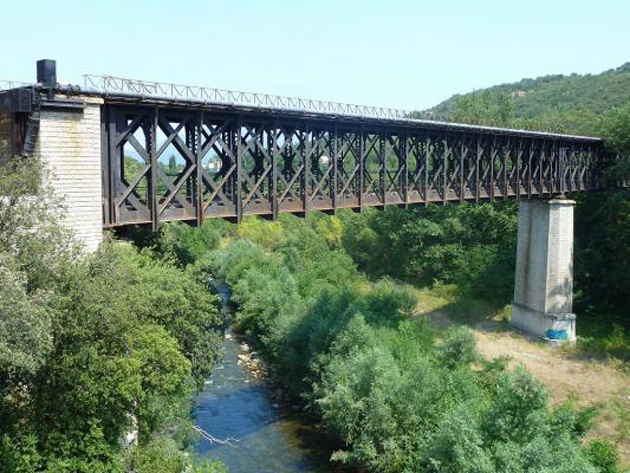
x: 543, y: 287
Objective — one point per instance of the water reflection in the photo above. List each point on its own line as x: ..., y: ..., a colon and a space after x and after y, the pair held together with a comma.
x: 235, y: 405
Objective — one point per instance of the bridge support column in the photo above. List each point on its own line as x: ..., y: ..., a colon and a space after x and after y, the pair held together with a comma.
x: 543, y: 287
x: 69, y: 145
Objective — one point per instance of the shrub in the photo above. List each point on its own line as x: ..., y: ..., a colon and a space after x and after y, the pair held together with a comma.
x: 164, y: 456
x: 396, y: 399
x: 603, y: 454
x: 458, y: 348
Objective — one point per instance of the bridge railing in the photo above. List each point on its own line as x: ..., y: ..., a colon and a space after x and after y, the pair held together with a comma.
x: 12, y: 84
x: 111, y: 84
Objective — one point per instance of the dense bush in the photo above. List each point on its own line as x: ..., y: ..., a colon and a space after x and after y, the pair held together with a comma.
x: 93, y: 349
x: 604, y: 455
x: 397, y: 396
x: 473, y: 246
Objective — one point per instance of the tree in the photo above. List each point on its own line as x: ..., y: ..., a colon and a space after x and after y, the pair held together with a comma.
x: 615, y: 128
x: 92, y: 347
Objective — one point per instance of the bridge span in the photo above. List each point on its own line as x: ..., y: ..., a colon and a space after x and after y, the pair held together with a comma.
x: 131, y: 152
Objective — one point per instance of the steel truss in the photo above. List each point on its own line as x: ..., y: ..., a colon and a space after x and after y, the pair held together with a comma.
x: 233, y: 164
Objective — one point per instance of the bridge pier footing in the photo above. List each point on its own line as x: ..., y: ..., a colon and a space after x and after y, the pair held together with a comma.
x: 543, y: 287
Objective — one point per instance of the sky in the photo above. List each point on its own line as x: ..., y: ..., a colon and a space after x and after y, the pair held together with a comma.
x: 397, y: 53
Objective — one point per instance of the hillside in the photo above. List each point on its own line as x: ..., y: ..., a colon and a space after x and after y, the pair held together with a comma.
x: 554, y: 101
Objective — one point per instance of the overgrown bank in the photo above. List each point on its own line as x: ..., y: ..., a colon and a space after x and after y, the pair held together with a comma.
x: 99, y: 355
x: 397, y: 396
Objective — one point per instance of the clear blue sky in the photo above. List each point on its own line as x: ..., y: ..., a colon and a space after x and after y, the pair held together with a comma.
x: 406, y: 54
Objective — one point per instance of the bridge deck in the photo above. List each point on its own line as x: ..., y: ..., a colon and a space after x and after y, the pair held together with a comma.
x: 190, y: 161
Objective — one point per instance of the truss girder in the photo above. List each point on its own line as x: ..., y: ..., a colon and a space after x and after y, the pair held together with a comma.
x: 163, y: 164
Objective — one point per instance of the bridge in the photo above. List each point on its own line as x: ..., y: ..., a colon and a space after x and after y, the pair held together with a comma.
x: 128, y: 152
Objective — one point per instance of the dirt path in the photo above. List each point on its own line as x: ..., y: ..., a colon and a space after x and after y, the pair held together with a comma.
x: 566, y: 375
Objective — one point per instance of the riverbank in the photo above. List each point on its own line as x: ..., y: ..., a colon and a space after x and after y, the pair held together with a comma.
x: 242, y: 409
x: 398, y: 394
x: 568, y: 373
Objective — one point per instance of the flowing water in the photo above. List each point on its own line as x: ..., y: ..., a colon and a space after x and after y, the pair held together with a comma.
x: 267, y: 438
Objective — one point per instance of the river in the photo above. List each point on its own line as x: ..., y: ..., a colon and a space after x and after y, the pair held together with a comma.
x: 267, y: 437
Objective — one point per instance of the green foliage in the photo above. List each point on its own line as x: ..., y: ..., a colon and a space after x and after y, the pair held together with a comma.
x: 602, y: 252
x: 552, y: 103
x: 395, y: 396
x: 28, y: 227
x: 470, y: 245
x: 604, y: 455
x: 515, y: 412
x: 458, y: 348
x: 164, y: 456
x: 615, y: 128
x: 188, y: 244
x: 25, y: 322
x: 92, y: 347
x: 458, y: 444
x: 485, y: 109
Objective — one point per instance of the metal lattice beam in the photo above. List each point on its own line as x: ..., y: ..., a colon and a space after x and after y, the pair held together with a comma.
x: 189, y: 164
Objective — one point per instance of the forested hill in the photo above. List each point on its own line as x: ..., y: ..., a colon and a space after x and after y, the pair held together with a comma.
x: 554, y: 102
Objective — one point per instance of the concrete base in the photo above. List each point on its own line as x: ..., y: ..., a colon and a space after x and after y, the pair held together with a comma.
x: 539, y: 324
x: 543, y: 287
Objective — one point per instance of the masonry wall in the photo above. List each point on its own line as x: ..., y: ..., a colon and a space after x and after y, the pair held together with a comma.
x: 69, y: 145
x: 6, y: 136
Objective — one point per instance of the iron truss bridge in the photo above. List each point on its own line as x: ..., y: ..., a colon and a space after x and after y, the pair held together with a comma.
x: 168, y: 158
x: 175, y: 152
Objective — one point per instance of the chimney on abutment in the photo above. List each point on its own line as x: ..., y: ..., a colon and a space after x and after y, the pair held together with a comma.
x: 47, y: 72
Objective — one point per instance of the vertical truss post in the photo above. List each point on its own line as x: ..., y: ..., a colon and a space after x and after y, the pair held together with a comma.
x: 307, y: 144
x: 116, y: 161
x: 191, y: 144
x: 519, y: 159
x: 404, y: 175
x: 477, y: 168
x: 493, y: 155
x: 198, y: 170
x: 335, y: 163
x: 541, y: 168
x: 445, y: 169
x: 530, y: 171
x: 106, y: 135
x: 275, y: 153
x: 590, y: 177
x: 506, y: 150
x: 238, y: 202
x: 427, y: 160
x: 562, y: 154
x: 461, y: 170
x: 362, y: 158
x: 553, y: 169
x: 152, y: 138
x: 382, y: 157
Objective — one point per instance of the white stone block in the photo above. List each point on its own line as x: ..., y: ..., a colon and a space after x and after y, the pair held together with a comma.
x: 69, y: 144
